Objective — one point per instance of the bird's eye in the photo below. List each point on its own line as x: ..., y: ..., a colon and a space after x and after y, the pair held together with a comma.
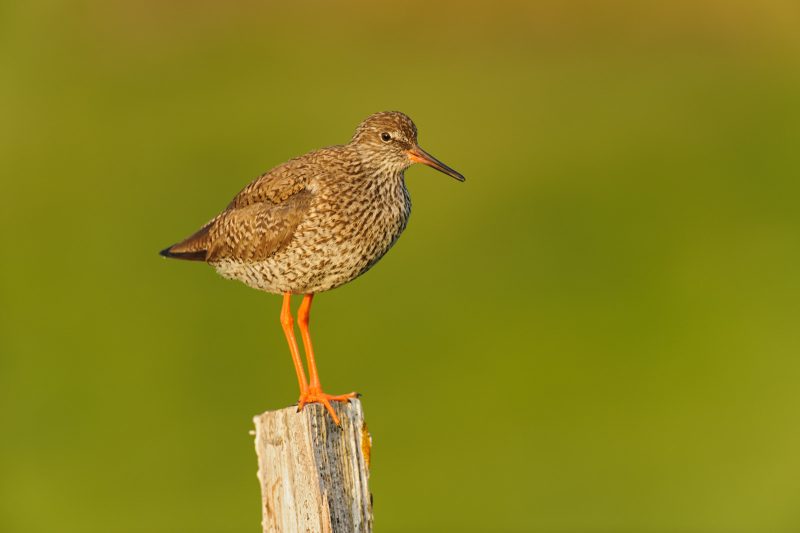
x: 385, y: 137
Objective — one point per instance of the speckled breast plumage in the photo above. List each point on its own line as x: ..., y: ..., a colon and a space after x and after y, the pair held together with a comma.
x: 351, y: 222
x: 319, y: 220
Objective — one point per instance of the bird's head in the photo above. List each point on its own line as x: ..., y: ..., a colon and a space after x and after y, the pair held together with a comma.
x: 389, y: 139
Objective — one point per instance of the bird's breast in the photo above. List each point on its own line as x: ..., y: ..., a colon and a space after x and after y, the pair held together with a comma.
x: 348, y: 231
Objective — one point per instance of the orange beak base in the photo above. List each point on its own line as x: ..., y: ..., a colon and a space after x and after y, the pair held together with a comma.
x: 418, y: 155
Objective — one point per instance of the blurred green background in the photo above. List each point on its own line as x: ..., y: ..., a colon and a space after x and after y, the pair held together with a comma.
x: 597, y: 332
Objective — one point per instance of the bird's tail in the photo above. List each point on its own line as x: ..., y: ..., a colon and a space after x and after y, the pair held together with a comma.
x: 199, y: 255
x: 194, y: 248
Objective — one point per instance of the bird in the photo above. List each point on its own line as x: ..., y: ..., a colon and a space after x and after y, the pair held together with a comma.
x: 314, y: 223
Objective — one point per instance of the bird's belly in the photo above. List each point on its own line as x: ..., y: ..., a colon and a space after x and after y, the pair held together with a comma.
x: 320, y: 257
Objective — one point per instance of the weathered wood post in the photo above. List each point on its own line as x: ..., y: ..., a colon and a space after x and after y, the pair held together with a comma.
x: 314, y: 474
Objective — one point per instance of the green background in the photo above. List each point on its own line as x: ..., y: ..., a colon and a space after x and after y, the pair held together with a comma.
x: 597, y: 332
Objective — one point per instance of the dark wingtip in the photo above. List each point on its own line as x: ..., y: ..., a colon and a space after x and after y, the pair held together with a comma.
x: 199, y: 255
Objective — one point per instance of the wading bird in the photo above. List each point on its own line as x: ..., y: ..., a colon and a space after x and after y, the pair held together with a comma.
x: 314, y: 223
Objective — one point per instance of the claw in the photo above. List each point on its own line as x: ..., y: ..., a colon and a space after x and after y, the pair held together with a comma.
x: 317, y: 396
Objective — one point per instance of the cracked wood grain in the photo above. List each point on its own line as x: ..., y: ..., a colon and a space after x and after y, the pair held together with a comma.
x: 313, y: 474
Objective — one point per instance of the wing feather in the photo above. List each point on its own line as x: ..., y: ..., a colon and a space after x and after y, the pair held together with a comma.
x: 258, y: 222
x: 256, y: 231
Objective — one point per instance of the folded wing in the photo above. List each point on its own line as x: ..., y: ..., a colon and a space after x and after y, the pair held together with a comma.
x: 260, y: 221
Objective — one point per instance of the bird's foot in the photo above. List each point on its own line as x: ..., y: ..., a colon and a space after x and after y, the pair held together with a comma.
x: 315, y: 395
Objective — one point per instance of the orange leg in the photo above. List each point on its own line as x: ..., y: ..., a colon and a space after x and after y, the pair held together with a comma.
x: 288, y: 328
x: 314, y: 392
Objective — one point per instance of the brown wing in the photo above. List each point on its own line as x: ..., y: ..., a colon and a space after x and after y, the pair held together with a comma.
x: 280, y: 183
x: 259, y: 221
x: 250, y: 233
x: 255, y: 232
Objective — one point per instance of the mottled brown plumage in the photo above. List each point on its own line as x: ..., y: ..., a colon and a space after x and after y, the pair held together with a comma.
x: 315, y: 223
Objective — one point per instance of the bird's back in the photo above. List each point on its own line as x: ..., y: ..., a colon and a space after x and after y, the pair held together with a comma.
x: 261, y: 217
x: 307, y: 225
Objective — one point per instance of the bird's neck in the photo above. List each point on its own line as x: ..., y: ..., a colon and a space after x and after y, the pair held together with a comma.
x: 378, y: 166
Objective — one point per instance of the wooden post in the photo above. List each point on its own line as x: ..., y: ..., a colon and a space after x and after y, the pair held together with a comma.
x: 313, y: 474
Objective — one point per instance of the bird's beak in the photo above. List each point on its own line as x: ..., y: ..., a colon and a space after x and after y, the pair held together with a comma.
x: 418, y: 155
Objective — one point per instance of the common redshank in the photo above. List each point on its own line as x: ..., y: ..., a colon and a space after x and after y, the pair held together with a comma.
x: 314, y: 223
